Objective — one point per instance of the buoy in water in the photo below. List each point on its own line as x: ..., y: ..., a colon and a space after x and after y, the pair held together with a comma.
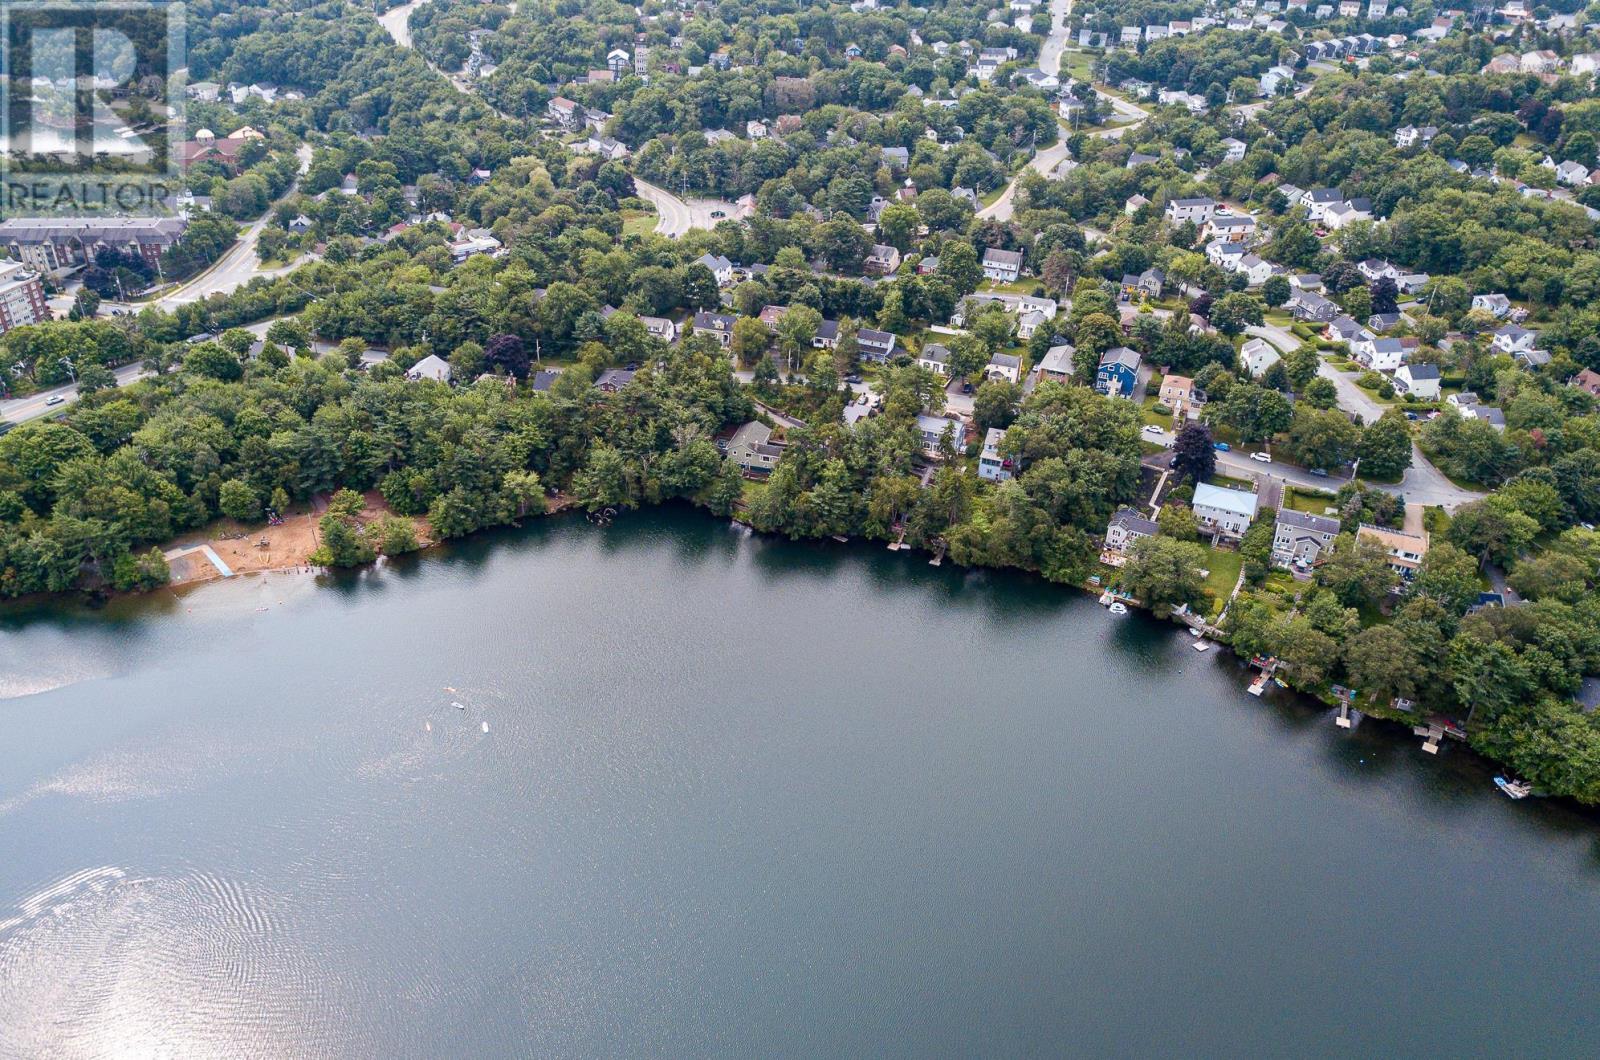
x: 485, y: 726
x: 427, y: 726
x: 458, y: 705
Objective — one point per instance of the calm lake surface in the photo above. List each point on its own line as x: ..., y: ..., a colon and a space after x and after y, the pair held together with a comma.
x: 743, y: 797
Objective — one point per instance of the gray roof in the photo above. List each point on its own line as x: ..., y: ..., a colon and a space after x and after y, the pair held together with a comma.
x: 1002, y: 257
x: 1129, y: 519
x: 35, y: 230
x: 1320, y: 524
x: 1120, y: 355
x: 1422, y: 371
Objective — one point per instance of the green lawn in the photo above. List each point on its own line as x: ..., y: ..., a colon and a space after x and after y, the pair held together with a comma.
x: 1224, y: 568
x: 638, y: 222
x: 1307, y: 501
x: 1233, y: 483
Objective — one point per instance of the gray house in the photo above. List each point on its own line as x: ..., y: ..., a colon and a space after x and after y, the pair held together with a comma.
x: 1299, y: 538
x: 752, y: 449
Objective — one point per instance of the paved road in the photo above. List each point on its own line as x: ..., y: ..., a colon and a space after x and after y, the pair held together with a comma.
x: 1422, y: 483
x: 19, y: 410
x: 1045, y: 162
x: 396, y: 21
x: 677, y: 216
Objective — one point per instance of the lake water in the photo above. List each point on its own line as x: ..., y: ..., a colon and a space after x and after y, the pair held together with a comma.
x: 738, y: 796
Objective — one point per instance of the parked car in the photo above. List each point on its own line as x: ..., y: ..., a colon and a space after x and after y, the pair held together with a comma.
x: 1320, y: 472
x: 1221, y: 447
x: 1264, y: 458
x: 1151, y: 428
x: 718, y: 213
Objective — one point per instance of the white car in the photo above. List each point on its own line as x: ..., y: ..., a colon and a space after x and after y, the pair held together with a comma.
x: 1151, y: 428
x: 1263, y: 457
x: 54, y: 400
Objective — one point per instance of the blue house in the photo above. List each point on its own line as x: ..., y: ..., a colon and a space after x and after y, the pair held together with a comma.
x: 1119, y: 372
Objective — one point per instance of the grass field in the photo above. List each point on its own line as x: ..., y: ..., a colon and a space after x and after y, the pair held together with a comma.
x: 638, y: 222
x: 1307, y: 501
x: 1224, y: 568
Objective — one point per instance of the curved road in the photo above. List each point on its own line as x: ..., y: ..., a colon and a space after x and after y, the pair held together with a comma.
x: 1422, y: 483
x: 1045, y: 162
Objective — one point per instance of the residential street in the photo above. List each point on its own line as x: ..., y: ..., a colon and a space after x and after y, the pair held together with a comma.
x: 19, y: 410
x: 1422, y: 483
x: 678, y: 216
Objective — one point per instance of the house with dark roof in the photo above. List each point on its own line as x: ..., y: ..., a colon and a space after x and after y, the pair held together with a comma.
x: 1126, y: 527
x: 1299, y: 537
x: 1118, y: 373
x: 1002, y: 266
x: 875, y: 345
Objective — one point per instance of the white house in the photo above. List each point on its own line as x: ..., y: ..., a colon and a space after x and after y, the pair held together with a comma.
x: 1126, y: 527
x: 1002, y: 266
x: 720, y: 267
x: 1498, y: 304
x: 430, y: 367
x: 1225, y: 512
x: 991, y: 464
x: 1419, y: 380
x: 1257, y: 355
x: 1273, y: 80
x: 1514, y: 338
x: 1198, y: 211
x: 1233, y: 150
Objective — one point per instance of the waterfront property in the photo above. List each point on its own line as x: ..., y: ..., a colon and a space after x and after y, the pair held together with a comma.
x: 1299, y: 538
x: 1126, y: 527
x: 991, y: 464
x: 1224, y: 511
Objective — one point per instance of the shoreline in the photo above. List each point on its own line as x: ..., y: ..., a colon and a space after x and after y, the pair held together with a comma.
x: 207, y: 573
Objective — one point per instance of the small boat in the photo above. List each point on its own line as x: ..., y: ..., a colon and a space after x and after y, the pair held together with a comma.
x: 458, y: 704
x: 1118, y: 608
x: 427, y: 726
x: 485, y: 726
x: 1106, y: 598
x: 1195, y: 631
x: 1515, y: 789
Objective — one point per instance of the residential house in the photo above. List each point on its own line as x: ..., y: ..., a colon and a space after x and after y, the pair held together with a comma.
x: 875, y: 345
x: 827, y: 336
x: 1375, y: 269
x: 660, y: 327
x: 991, y: 464
x: 1126, y: 527
x: 1258, y: 355
x: 720, y: 267
x: 1233, y: 150
x: 564, y: 112
x: 613, y: 379
x: 881, y: 260
x: 1513, y: 337
x: 1587, y: 381
x: 1419, y: 380
x: 1299, y: 538
x: 1318, y: 201
x: 1404, y: 550
x: 1276, y: 80
x: 1497, y: 304
x: 1177, y: 393
x: 430, y: 367
x: 1572, y: 174
x: 1002, y: 266
x: 935, y: 358
x: 1380, y: 355
x: 1255, y: 269
x: 934, y: 429
x: 1030, y: 322
x: 1312, y: 307
x: 751, y: 448
x: 1056, y: 365
x: 1198, y: 211
x: 1007, y: 366
x: 1343, y: 214
x: 1410, y: 135
x: 1132, y: 204
x: 1225, y: 255
x: 716, y: 324
x: 1223, y: 511
x: 1343, y: 329
x: 1118, y: 373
